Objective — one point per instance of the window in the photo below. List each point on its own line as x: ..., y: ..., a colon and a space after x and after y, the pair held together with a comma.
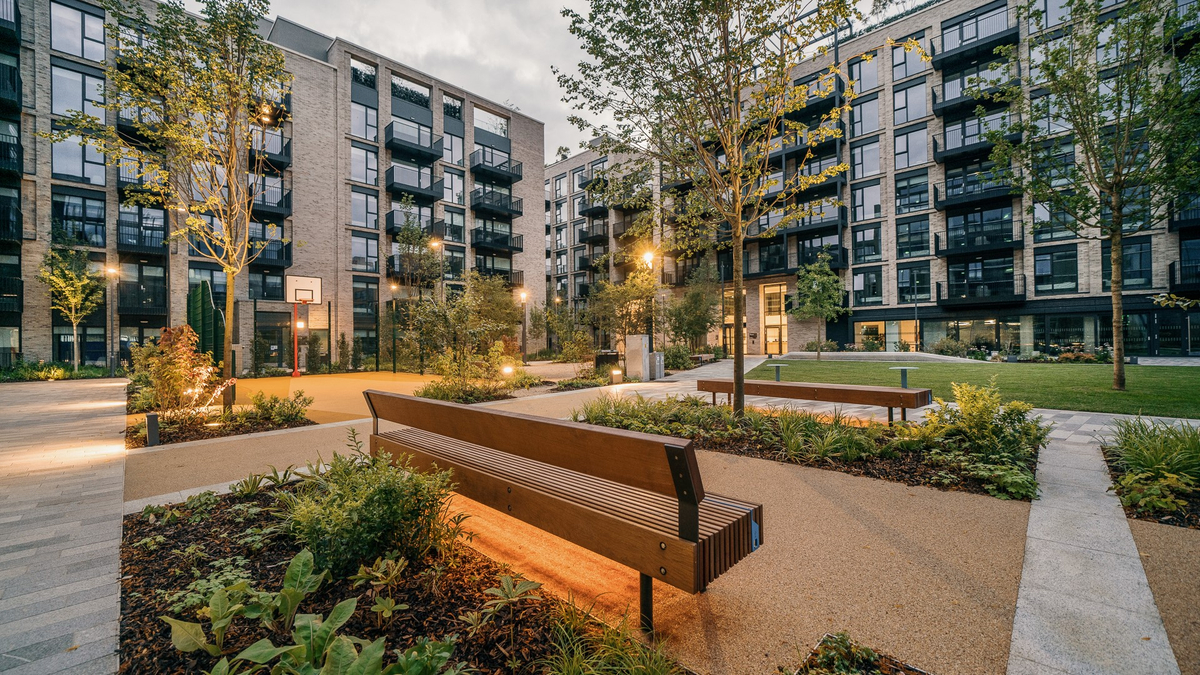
x: 1047, y: 116
x: 908, y: 103
x: 972, y: 178
x: 956, y: 85
x: 71, y: 90
x: 491, y: 122
x: 1055, y: 271
x: 866, y: 245
x: 1135, y: 264
x: 911, y: 148
x: 864, y: 117
x: 453, y: 186
x: 407, y: 90
x: 265, y: 285
x: 364, y: 253
x: 411, y: 215
x: 78, y: 219
x: 1058, y: 163
x: 76, y: 33
x: 1040, y: 49
x: 364, y: 165
x: 906, y: 63
x: 973, y: 129
x: 364, y: 210
x: 912, y: 238
x: 452, y: 106
x: 560, y: 183
x: 362, y: 73
x: 452, y: 149
x: 455, y: 222
x: 864, y: 159
x: 980, y: 227
x: 864, y: 74
x: 366, y: 298
x: 364, y: 121
x: 1051, y: 224
x: 577, y: 180
x: 974, y: 29
x: 868, y: 286
x: 559, y: 215
x: 215, y: 279
x: 866, y: 203
x: 1052, y: 13
x: 71, y: 161
x: 456, y: 263
x: 912, y: 192
x: 912, y: 282
x: 412, y: 132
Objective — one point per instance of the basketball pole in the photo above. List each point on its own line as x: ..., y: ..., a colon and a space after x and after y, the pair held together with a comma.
x: 295, y: 339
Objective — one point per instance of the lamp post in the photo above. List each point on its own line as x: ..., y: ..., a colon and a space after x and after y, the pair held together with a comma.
x: 113, y: 274
x: 297, y: 324
x: 648, y: 258
x: 557, y: 302
x: 437, y: 246
x: 394, y: 287
x: 524, y: 321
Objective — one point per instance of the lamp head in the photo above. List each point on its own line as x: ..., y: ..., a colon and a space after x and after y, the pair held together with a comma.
x: 648, y: 258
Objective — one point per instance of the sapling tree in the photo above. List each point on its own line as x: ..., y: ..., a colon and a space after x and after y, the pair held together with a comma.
x: 691, y: 316
x: 76, y: 288
x: 204, y: 97
x: 623, y: 309
x: 819, y: 296
x: 1106, y: 131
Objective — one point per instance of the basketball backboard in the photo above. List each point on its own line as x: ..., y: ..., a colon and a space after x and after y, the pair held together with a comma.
x: 301, y: 290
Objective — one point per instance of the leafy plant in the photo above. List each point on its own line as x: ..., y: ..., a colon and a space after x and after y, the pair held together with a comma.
x: 248, y: 486
x: 1154, y: 493
x: 838, y: 654
x: 281, y: 411
x: 226, y: 573
x: 220, y: 612
x: 677, y: 357
x: 385, y: 609
x: 277, y: 611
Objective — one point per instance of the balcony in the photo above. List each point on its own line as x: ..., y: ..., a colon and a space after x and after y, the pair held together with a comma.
x: 133, y: 121
x: 12, y: 156
x: 136, y: 297
x: 967, y: 241
x: 1184, y: 38
x: 10, y: 22
x: 496, y: 203
x: 582, y: 291
x: 497, y: 241
x: 12, y: 295
x: 272, y: 200
x: 133, y: 237
x: 591, y: 207
x: 829, y: 217
x: 513, y: 278
x: 11, y: 223
x: 968, y: 138
x: 590, y: 179
x: 1185, y: 277
x: 415, y: 144
x: 496, y: 167
x: 397, y: 219
x: 974, y: 38
x: 272, y: 253
x: 770, y: 266
x: 623, y: 227
x: 951, y: 97
x: 273, y: 151
x: 10, y: 88
x: 839, y: 258
x: 401, y: 180
x: 814, y: 105
x: 583, y: 263
x: 1186, y: 215
x: 411, y: 270
x: 970, y: 191
x: 131, y: 178
x: 597, y: 232
x: 981, y: 293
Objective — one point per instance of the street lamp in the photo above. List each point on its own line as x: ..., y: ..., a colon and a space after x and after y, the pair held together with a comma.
x: 394, y: 288
x: 437, y: 246
x: 648, y: 258
x: 524, y: 321
x: 113, y: 274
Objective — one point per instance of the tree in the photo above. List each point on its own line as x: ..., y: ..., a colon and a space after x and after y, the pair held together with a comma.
x: 623, y: 309
x: 76, y: 289
x: 693, y: 315
x: 1106, y: 133
x: 203, y: 94
x: 416, y: 262
x: 818, y: 296
x: 701, y: 92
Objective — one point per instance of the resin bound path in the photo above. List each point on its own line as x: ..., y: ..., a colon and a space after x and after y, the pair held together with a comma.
x: 62, y: 465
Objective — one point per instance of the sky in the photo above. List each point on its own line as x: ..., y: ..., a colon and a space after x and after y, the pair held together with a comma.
x: 499, y: 49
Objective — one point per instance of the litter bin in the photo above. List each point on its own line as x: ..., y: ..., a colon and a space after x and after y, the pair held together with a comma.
x: 607, y: 360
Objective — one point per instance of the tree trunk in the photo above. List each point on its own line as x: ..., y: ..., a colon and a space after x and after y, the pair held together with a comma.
x: 739, y: 314
x: 1117, y: 254
x: 75, y: 346
x: 820, y: 342
x: 227, y: 370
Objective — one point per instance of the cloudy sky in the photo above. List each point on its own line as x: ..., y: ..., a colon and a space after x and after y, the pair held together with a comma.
x: 500, y: 49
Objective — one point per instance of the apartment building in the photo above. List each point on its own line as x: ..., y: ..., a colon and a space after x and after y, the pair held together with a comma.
x: 363, y: 132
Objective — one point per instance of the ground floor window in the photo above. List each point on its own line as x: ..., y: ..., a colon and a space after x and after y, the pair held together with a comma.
x: 91, y: 345
x: 10, y: 345
x: 774, y: 319
x: 140, y: 335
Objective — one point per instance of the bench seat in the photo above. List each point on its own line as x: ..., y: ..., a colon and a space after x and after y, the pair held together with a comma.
x: 886, y: 397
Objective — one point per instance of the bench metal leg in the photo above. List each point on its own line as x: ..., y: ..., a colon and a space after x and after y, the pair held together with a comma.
x: 646, y: 597
x: 714, y: 399
x: 904, y: 414
x: 891, y: 418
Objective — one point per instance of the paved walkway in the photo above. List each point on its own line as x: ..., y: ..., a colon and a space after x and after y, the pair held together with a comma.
x: 62, y: 456
x: 1169, y: 360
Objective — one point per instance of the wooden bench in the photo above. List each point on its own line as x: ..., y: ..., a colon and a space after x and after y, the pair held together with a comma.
x: 701, y: 359
x: 887, y: 397
x: 633, y: 498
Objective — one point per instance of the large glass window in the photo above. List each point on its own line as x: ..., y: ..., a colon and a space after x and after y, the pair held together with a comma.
x: 366, y: 300
x: 911, y: 148
x: 912, y: 238
x: 906, y: 63
x: 215, y: 279
x: 407, y: 90
x: 453, y: 183
x: 364, y: 121
x: 364, y: 210
x: 78, y: 219
x: 868, y: 286
x: 908, y: 103
x: 1136, y: 264
x: 864, y: 74
x: 1051, y: 224
x: 452, y: 149
x: 71, y: 161
x: 913, y: 282
x: 362, y: 73
x: 452, y: 106
x: 76, y: 33
x: 912, y: 192
x: 456, y: 224
x: 364, y: 253
x: 980, y: 227
x: 364, y: 165
x: 71, y: 90
x: 975, y: 28
x: 864, y: 158
x: 1055, y: 271
x: 864, y: 117
x: 866, y: 244
x: 866, y: 201
x: 412, y: 132
x: 265, y: 285
x: 491, y: 122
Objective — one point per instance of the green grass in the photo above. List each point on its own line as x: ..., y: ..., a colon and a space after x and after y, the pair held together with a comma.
x: 1170, y: 391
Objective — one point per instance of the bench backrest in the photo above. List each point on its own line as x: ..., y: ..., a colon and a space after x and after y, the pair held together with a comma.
x: 893, y: 397
x: 661, y: 464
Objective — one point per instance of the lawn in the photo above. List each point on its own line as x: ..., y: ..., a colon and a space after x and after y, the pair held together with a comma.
x: 1151, y: 390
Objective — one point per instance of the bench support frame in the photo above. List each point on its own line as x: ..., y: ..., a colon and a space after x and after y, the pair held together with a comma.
x: 646, y: 602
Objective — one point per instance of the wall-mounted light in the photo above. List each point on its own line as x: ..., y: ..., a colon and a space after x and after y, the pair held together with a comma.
x: 300, y: 325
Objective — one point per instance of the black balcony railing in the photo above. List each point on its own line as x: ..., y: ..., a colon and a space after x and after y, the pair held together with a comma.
x: 1185, y: 212
x: 11, y: 223
x: 12, y: 155
x: 965, y: 293
x: 497, y: 241
x: 970, y: 190
x: 582, y: 263
x: 398, y: 219
x: 838, y: 256
x: 597, y: 231
x: 10, y: 21
x: 492, y: 201
x: 419, y: 184
x: 965, y: 240
x: 417, y: 143
x: 974, y: 37
x: 10, y: 87
x: 273, y: 199
x: 273, y: 148
x: 592, y: 206
x: 12, y: 295
x: 970, y: 136
x: 497, y: 166
x: 1185, y: 276
x: 134, y: 237
x: 272, y: 253
x: 142, y: 297
x: 131, y: 176
x: 511, y: 277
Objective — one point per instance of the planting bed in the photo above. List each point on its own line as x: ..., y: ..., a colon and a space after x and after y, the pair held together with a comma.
x: 839, y: 654
x: 135, y: 435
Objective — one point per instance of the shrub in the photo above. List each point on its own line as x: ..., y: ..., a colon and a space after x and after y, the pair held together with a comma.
x: 343, y: 353
x: 872, y: 344
x: 362, y: 508
x: 1077, y: 357
x: 281, y: 411
x: 1156, y: 448
x: 677, y: 357
x: 463, y: 392
x: 948, y: 346
x: 816, y: 345
x: 25, y: 371
x: 1150, y: 493
x: 524, y: 380
x: 179, y: 381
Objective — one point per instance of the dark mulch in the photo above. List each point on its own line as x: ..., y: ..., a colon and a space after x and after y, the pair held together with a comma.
x: 435, y: 600
x: 1188, y: 517
x: 909, y: 468
x: 135, y: 436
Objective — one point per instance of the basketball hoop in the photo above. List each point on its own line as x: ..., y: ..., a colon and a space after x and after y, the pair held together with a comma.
x: 299, y: 291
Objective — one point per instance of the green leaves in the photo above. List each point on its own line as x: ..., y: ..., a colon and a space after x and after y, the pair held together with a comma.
x: 187, y: 636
